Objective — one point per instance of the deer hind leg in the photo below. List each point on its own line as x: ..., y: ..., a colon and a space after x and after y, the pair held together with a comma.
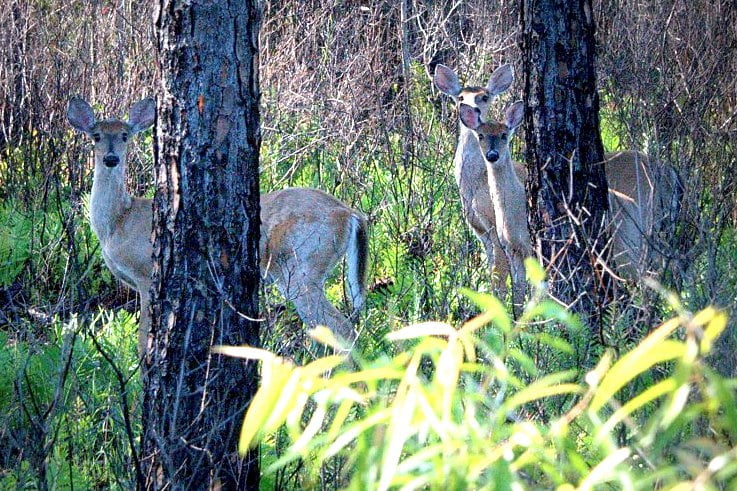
x: 308, y: 297
x: 316, y: 310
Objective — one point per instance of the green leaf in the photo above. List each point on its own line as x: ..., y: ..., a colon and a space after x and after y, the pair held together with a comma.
x: 494, y: 311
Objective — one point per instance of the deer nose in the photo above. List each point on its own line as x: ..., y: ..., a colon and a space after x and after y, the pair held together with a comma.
x: 111, y: 160
x: 492, y: 155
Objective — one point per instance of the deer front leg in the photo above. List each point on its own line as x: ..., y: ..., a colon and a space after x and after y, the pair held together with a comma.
x: 496, y: 259
x: 144, y: 323
x: 519, y: 286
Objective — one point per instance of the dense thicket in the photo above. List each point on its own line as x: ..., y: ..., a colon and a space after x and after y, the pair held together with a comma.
x: 347, y: 106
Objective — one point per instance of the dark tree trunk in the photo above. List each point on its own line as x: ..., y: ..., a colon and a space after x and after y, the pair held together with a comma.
x: 567, y: 192
x: 206, y: 226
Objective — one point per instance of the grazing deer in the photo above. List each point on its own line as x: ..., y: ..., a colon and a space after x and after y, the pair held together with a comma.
x: 470, y: 166
x: 304, y: 232
x: 638, y: 190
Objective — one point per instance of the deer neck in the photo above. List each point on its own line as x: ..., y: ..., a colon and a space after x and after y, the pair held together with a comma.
x: 109, y: 201
x: 469, y: 163
x: 503, y: 179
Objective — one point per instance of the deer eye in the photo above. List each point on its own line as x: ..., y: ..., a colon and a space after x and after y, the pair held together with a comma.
x: 124, y: 137
x: 485, y: 98
x: 460, y: 97
x: 96, y: 137
x: 504, y: 136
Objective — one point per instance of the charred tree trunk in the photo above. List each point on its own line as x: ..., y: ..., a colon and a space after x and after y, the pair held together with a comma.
x: 206, y: 226
x: 567, y: 191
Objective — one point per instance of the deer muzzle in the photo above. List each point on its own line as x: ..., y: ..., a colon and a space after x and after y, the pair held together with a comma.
x: 492, y: 155
x: 111, y: 160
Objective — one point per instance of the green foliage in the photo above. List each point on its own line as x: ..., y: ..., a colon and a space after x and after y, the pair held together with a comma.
x: 33, y: 243
x: 465, y: 408
x: 61, y: 405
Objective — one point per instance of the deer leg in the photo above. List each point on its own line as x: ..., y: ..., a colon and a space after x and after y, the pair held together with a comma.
x: 315, y: 309
x: 144, y: 323
x: 500, y: 271
x: 518, y: 283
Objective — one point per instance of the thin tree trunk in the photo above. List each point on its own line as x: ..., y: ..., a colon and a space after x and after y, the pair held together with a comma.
x: 567, y: 193
x: 206, y: 225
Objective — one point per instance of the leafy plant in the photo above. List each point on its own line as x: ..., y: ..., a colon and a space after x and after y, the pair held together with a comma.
x: 466, y: 409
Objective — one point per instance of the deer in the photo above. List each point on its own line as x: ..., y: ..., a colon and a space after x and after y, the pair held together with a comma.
x: 638, y: 194
x: 305, y: 232
x: 642, y: 193
x: 505, y: 180
x: 470, y: 170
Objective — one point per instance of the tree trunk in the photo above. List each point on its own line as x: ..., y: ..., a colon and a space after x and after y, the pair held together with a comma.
x: 567, y: 192
x: 206, y: 226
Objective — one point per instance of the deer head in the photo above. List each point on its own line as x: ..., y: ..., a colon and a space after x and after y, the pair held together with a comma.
x: 110, y: 136
x: 493, y: 137
x: 480, y: 97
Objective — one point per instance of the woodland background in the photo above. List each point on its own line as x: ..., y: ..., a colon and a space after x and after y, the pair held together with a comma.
x: 348, y: 106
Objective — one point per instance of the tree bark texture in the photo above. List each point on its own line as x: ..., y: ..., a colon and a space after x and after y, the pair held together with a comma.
x: 206, y: 226
x: 567, y: 191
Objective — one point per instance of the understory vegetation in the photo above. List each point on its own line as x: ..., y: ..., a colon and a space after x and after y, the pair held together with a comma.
x: 445, y: 391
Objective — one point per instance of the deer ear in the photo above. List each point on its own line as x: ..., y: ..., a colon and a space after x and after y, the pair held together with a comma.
x: 80, y: 115
x: 514, y: 115
x: 470, y: 116
x: 446, y: 80
x: 501, y: 79
x: 142, y: 114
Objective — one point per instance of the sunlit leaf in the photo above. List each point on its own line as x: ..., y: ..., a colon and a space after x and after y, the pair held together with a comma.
x: 493, y: 308
x: 653, y: 350
x: 324, y: 335
x: 262, y: 404
x: 534, y: 271
x: 635, y: 403
x: 713, y: 330
x: 318, y: 416
x: 284, y: 403
x: 605, y: 470
x: 532, y: 393
x: 421, y: 330
x: 322, y: 365
x: 527, y: 363
x: 352, y: 431
x: 246, y: 352
x: 559, y: 344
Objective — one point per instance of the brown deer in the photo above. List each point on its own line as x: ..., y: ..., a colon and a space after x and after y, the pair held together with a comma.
x: 304, y: 232
x: 470, y: 166
x: 640, y: 194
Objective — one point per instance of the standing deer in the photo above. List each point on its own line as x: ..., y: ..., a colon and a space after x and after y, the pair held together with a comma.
x: 638, y: 190
x: 505, y: 182
x: 304, y: 232
x: 470, y: 166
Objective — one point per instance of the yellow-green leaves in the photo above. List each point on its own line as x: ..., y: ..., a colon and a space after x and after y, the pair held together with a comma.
x: 654, y: 349
x: 450, y: 410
